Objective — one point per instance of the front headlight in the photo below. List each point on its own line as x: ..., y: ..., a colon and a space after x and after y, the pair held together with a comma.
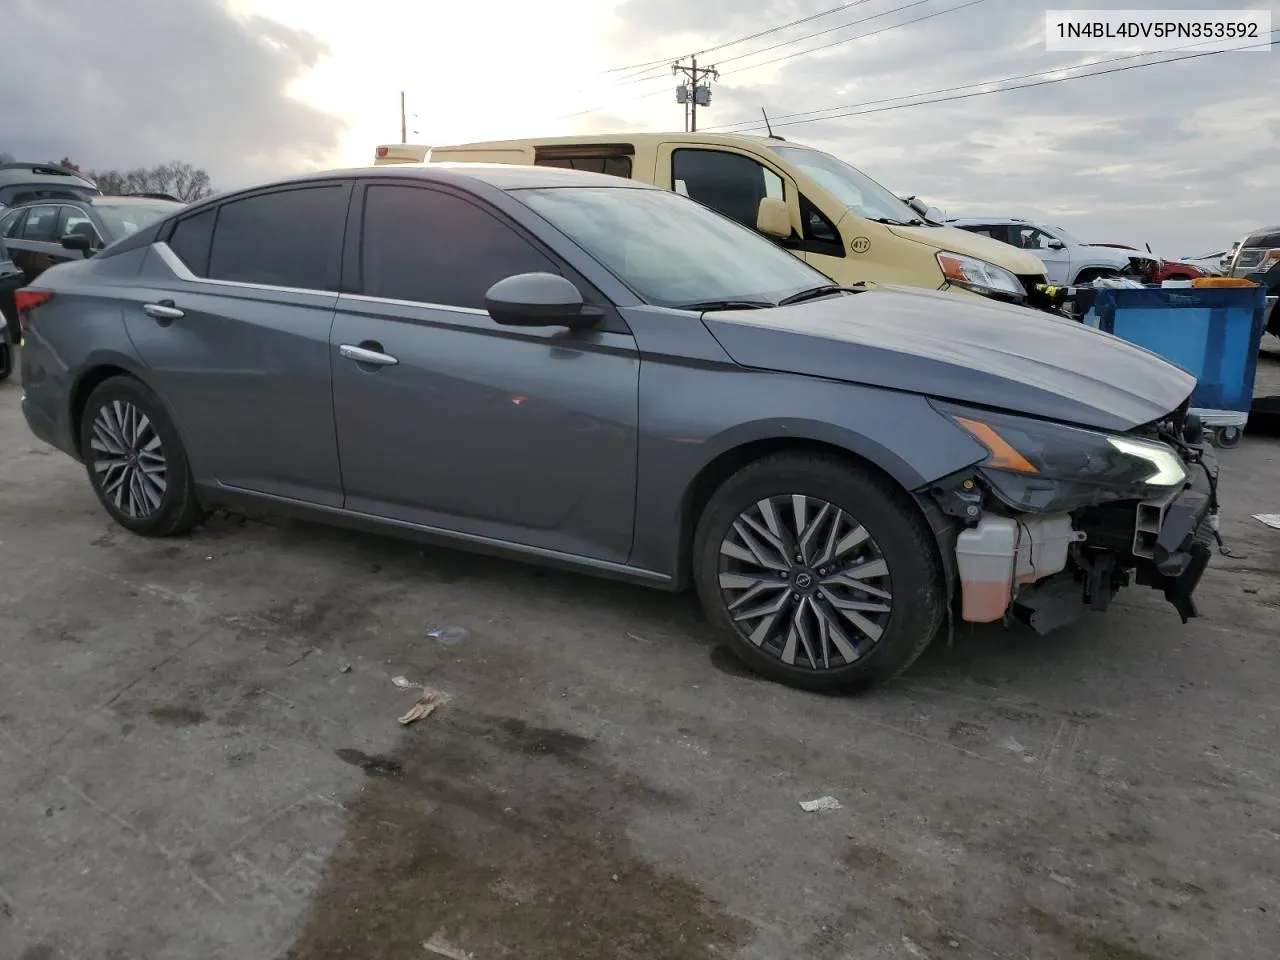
x: 1036, y: 465
x: 979, y: 275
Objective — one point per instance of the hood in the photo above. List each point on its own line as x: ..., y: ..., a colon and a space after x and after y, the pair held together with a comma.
x: 955, y: 240
x: 967, y: 349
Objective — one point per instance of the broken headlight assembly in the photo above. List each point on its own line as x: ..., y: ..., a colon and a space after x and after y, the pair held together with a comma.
x: 980, y: 276
x: 1037, y: 466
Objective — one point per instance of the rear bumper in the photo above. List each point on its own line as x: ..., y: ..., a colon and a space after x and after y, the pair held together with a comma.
x: 47, y: 429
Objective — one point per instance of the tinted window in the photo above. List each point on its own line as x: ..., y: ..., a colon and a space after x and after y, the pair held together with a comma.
x: 284, y: 239
x: 727, y: 182
x: 432, y: 247
x: 41, y: 224
x: 191, y: 240
x: 994, y: 232
x: 820, y: 234
x: 1029, y: 238
x: 614, y: 166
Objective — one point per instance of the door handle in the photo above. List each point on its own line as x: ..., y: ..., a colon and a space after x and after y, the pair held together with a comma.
x: 164, y: 311
x: 363, y: 354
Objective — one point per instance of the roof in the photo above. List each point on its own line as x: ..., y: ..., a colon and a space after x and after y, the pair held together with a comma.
x: 503, y: 176
x: 636, y: 138
x: 987, y: 220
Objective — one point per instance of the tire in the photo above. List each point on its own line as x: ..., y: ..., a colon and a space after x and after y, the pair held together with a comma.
x: 899, y: 614
x: 149, y: 490
x: 6, y: 359
x: 1226, y: 437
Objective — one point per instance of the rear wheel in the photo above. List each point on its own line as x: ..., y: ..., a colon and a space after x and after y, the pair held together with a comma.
x: 820, y: 574
x: 136, y: 462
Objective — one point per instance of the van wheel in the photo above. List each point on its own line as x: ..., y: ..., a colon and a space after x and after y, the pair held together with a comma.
x: 820, y: 574
x: 136, y: 462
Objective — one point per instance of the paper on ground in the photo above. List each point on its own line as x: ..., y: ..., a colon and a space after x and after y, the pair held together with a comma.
x: 820, y: 804
x: 1272, y: 520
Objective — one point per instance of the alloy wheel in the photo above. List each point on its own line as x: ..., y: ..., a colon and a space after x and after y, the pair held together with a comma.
x: 804, y: 581
x: 128, y: 459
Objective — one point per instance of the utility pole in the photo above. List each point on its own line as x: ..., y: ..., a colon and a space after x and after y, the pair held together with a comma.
x: 404, y: 134
x: 694, y: 94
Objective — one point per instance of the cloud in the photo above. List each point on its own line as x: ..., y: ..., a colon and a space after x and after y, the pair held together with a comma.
x: 1177, y: 155
x: 146, y: 81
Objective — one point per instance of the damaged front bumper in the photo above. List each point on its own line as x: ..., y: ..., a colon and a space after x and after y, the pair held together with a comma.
x: 1048, y: 569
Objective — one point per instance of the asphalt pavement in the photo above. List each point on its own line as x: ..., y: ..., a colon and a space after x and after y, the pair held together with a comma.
x: 200, y: 759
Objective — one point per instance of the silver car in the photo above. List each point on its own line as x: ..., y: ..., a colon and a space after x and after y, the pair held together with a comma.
x: 580, y: 370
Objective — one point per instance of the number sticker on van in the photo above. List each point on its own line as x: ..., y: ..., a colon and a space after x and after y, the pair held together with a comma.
x: 859, y: 244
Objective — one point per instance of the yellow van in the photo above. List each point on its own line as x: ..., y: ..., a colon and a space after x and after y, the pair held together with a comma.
x: 823, y: 210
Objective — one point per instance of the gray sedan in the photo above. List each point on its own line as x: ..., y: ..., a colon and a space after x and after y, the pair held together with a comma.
x: 579, y: 370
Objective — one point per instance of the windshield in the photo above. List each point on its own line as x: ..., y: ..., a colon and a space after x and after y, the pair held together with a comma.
x: 1064, y: 235
x: 849, y: 185
x: 124, y: 219
x: 671, y: 250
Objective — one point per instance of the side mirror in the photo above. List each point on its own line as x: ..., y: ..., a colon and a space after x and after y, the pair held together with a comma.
x: 1056, y: 245
x: 77, y: 241
x: 539, y: 300
x: 773, y: 219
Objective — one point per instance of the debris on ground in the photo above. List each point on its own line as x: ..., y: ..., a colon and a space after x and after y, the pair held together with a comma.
x: 344, y: 667
x: 820, y: 805
x: 439, y: 947
x: 404, y: 684
x: 1271, y: 520
x: 449, y: 636
x: 426, y: 704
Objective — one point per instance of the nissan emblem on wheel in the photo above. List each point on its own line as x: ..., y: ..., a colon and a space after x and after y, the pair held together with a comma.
x: 524, y: 361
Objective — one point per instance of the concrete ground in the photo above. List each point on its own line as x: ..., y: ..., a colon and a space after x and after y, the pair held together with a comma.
x: 186, y: 771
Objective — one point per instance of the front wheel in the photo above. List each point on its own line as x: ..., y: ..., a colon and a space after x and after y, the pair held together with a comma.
x: 820, y: 574
x: 136, y: 462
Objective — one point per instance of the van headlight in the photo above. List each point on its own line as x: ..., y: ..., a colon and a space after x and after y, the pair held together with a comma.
x: 980, y: 276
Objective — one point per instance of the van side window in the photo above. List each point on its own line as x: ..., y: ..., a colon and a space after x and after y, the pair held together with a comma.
x: 614, y: 166
x: 726, y: 182
x: 820, y: 234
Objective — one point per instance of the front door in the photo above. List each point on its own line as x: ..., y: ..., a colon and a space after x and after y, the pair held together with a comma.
x: 232, y: 318
x: 1055, y: 254
x: 448, y: 420
x: 35, y: 245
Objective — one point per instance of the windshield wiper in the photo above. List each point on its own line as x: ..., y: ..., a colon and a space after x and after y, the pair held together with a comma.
x: 813, y: 293
x: 726, y: 305
x: 894, y: 223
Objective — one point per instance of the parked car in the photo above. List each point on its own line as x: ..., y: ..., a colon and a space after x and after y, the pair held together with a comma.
x: 1159, y: 269
x: 1257, y: 253
x: 1067, y: 260
x: 1210, y: 263
x: 42, y: 233
x: 10, y: 279
x: 825, y: 211
x: 23, y: 182
x: 526, y: 362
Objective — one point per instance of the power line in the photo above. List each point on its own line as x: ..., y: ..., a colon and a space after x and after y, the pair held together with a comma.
x: 753, y: 124
x: 753, y: 36
x: 752, y: 66
x: 1021, y: 86
x: 861, y: 36
x: 843, y: 26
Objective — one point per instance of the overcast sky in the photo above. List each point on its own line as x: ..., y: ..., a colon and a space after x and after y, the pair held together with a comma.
x: 1184, y: 156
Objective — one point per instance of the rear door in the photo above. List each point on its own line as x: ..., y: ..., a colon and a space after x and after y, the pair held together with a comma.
x: 233, y: 321
x: 518, y: 435
x: 34, y: 245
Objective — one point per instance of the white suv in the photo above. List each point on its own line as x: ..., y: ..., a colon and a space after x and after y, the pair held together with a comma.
x: 1067, y: 260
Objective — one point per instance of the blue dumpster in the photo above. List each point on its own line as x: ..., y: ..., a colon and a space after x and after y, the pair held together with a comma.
x: 1213, y: 333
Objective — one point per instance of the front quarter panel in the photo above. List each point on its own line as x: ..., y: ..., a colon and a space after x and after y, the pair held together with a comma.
x: 697, y: 407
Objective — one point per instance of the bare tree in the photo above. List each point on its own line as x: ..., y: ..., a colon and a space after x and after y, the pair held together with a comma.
x: 182, y: 180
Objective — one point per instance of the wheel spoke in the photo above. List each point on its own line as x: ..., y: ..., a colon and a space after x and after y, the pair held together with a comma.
x: 753, y: 587
x: 842, y: 643
x: 849, y: 610
x: 811, y: 531
x: 788, y: 654
x: 750, y: 550
x: 802, y: 630
x: 767, y: 609
x: 766, y: 534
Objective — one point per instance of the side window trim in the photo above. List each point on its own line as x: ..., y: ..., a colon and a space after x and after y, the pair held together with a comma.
x: 184, y: 273
x: 826, y: 248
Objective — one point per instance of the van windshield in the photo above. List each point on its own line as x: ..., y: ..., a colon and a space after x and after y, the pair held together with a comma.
x: 672, y: 251
x: 849, y: 185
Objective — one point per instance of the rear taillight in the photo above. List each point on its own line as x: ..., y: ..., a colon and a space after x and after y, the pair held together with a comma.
x: 380, y: 152
x: 27, y: 299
